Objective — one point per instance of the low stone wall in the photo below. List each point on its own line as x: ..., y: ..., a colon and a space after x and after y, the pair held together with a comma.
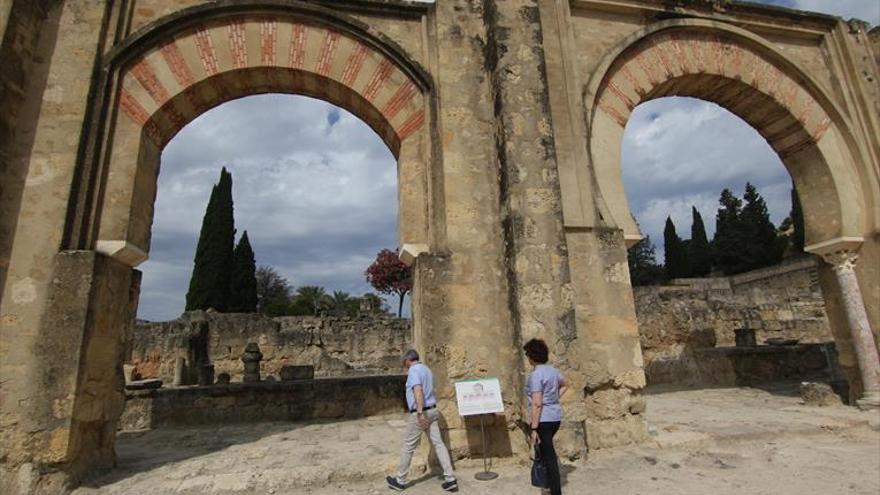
x: 675, y: 321
x: 689, y: 315
x: 335, y: 346
x: 326, y: 398
x: 757, y: 365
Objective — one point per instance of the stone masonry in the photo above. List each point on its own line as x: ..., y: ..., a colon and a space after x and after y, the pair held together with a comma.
x: 675, y: 320
x: 506, y: 118
x: 335, y: 346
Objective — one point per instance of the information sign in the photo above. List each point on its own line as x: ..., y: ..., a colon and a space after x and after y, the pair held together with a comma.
x: 479, y: 396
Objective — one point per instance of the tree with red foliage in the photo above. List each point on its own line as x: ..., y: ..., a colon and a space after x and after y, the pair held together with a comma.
x: 389, y: 275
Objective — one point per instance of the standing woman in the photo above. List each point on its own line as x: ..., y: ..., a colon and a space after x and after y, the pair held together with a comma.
x: 544, y: 388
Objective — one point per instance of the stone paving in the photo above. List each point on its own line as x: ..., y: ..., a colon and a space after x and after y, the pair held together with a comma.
x: 737, y: 440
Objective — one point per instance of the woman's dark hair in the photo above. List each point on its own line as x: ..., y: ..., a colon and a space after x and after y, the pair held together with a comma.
x: 537, y: 351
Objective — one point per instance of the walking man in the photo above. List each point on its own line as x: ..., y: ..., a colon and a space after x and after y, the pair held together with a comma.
x: 423, y: 415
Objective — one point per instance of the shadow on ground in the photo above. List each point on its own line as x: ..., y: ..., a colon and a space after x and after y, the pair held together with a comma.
x: 150, y: 450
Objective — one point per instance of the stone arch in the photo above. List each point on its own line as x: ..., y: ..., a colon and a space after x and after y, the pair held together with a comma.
x: 172, y: 71
x: 741, y: 72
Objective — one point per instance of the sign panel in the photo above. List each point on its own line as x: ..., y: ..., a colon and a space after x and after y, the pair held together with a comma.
x: 479, y: 396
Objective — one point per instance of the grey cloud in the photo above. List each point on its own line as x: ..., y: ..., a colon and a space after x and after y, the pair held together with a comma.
x: 315, y: 188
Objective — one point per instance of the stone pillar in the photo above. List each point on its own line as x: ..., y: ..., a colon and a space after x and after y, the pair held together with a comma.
x: 179, y: 371
x: 70, y: 420
x: 251, y: 359
x: 462, y: 309
x: 537, y: 253
x: 843, y: 263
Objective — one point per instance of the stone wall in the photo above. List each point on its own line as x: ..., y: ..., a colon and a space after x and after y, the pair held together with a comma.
x: 335, y: 346
x: 676, y: 323
x: 327, y: 398
x: 678, y: 320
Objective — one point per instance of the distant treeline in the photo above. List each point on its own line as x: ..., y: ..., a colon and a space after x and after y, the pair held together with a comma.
x: 277, y: 298
x: 745, y: 239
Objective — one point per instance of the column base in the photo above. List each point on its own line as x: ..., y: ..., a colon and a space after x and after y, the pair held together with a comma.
x: 870, y: 401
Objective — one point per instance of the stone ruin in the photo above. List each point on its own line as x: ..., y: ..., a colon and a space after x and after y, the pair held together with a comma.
x: 331, y: 345
x: 506, y: 118
x: 689, y: 328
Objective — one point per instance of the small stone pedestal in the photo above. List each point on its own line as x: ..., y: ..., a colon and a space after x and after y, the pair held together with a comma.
x: 251, y: 359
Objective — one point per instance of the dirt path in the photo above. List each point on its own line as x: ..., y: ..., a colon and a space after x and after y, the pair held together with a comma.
x: 720, y: 441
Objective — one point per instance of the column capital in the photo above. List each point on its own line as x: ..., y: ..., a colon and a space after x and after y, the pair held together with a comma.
x: 845, y: 243
x: 842, y: 261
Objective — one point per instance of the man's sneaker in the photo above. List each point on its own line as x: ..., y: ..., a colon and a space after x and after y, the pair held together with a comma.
x: 394, y: 484
x: 450, y: 486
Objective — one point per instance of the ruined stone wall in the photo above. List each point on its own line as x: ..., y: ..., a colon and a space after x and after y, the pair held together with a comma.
x: 676, y: 321
x: 324, y: 398
x: 335, y: 346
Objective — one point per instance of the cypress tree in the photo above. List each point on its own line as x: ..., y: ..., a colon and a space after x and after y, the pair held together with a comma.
x: 699, y: 252
x: 728, y: 244
x: 243, y: 296
x: 797, y: 219
x: 763, y: 246
x: 212, y: 267
x: 674, y: 256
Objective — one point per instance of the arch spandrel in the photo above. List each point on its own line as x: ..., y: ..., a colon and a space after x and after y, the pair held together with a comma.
x: 720, y: 65
x: 204, y: 64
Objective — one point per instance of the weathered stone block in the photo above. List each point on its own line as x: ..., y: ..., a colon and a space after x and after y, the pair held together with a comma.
x: 625, y: 430
x: 608, y: 403
x: 819, y: 394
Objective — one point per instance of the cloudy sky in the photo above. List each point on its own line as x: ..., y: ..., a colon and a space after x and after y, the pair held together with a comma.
x: 316, y: 189
x: 681, y: 152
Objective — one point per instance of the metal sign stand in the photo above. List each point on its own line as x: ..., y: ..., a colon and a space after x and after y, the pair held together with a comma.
x: 485, y: 475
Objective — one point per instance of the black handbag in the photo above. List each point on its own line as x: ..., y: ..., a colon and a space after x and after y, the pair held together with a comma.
x: 539, y: 471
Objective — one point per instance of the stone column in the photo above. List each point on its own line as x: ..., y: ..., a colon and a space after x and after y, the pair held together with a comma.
x: 251, y: 359
x: 843, y: 262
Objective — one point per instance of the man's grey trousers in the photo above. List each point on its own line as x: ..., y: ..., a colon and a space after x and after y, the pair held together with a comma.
x: 413, y: 436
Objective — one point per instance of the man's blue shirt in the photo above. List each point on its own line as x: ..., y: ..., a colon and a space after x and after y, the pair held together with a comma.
x: 419, y: 374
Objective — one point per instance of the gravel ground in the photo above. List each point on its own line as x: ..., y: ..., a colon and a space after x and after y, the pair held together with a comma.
x: 715, y: 441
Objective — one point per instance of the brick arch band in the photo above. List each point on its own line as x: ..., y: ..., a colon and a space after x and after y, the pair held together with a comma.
x: 214, y: 55
x: 720, y: 68
x: 717, y: 64
x: 216, y: 61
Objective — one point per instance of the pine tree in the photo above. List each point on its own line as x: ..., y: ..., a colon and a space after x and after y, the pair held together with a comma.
x: 675, y: 256
x: 797, y: 219
x: 763, y: 246
x: 243, y: 294
x: 699, y: 252
x: 643, y: 267
x: 728, y: 243
x: 210, y: 284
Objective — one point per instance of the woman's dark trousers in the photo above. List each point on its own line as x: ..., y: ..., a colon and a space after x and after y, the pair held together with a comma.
x: 546, y: 431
